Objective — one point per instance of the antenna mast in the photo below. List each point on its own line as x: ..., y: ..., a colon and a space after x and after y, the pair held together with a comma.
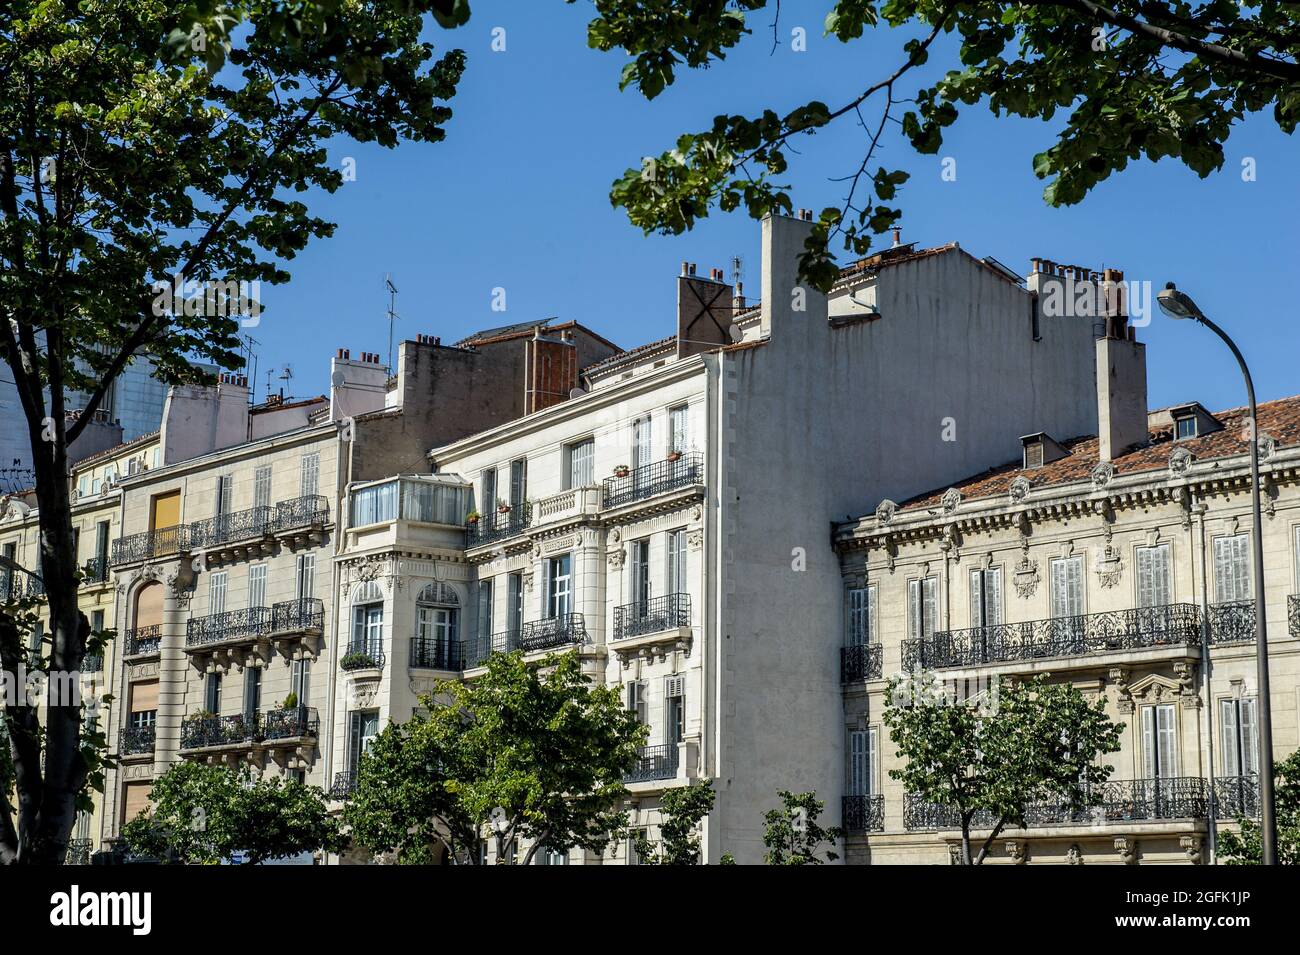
x: 392, y: 316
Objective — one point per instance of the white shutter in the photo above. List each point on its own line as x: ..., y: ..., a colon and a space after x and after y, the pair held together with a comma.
x: 913, y: 609
x: 1166, y: 740
x: 305, y: 584
x: 262, y: 487
x: 1229, y: 737
x: 1162, y: 578
x: 1249, y: 739
x: 1145, y: 584
x: 858, y: 617
x: 993, y: 595
x: 976, y: 599
x: 931, y: 618
x: 309, y: 478
x: 1148, y: 742
x: 1067, y: 587
x: 859, y: 763
x: 217, y: 593
x: 1231, y: 569
x: 257, y: 585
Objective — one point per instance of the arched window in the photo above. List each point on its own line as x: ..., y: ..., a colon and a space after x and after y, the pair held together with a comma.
x: 437, y: 613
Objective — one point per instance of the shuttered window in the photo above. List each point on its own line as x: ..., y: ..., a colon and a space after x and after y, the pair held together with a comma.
x: 518, y: 482
x: 676, y: 562
x: 680, y: 428
x: 262, y: 487
x: 135, y: 800
x: 225, y: 492
x: 305, y: 576
x: 488, y: 493
x: 863, y: 762
x: 309, y: 475
x: 582, y: 463
x: 144, y: 697
x: 862, y: 611
x: 674, y: 709
x: 1239, y: 737
x: 1231, y: 568
x: 986, y: 597
x: 922, y: 607
x: 300, y: 680
x: 217, y: 592
x: 1159, y: 741
x: 639, y: 567
x: 635, y: 695
x: 1067, y: 587
x: 1154, y: 577
x: 641, y: 442
x: 257, y: 585
x: 485, y: 607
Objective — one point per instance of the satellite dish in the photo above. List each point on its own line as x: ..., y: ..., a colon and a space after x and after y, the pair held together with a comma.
x: 337, y: 379
x: 736, y: 334
x: 577, y: 392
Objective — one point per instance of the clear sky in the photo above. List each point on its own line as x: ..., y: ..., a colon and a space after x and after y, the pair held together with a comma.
x: 516, y: 198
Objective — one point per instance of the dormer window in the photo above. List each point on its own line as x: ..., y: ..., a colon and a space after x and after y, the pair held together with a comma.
x: 1034, y: 455
x: 1040, y: 449
x: 1193, y: 421
x: 1184, y: 428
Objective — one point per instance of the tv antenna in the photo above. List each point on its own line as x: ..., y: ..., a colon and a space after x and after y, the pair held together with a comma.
x: 737, y: 269
x: 392, y: 316
x: 286, y: 376
x: 250, y: 356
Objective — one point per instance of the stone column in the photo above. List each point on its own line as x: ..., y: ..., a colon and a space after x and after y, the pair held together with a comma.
x: 172, y: 666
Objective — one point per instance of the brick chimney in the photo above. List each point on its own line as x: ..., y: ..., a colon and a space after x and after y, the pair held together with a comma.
x: 705, y: 311
x: 357, y: 386
x: 1121, y: 378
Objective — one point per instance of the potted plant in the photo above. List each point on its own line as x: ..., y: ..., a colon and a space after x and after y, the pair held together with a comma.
x: 622, y: 471
x: 290, y: 701
x: 502, y: 506
x: 358, y: 660
x: 674, y: 455
x: 471, y: 518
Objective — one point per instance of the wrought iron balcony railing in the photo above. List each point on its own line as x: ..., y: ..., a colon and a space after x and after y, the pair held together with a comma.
x: 200, y: 731
x: 243, y: 525
x: 1236, y: 797
x: 78, y: 852
x: 310, y: 511
x: 249, y: 623
x: 653, y: 479
x: 860, y: 662
x: 497, y: 526
x: 1143, y: 627
x: 1113, y: 802
x: 1293, y: 615
x: 651, y: 616
x: 559, y: 631
x: 92, y: 663
x: 302, y: 613
x: 165, y: 542
x: 363, y: 655
x: 136, y: 739
x: 142, y: 641
x: 15, y: 585
x: 863, y: 813
x: 476, y: 650
x: 290, y: 722
x: 436, y: 653
x: 95, y: 571
x: 345, y: 784
x: 653, y: 762
x: 1232, y: 622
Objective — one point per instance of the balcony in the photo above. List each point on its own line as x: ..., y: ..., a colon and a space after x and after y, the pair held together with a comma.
x: 204, y: 731
x: 136, y: 740
x: 1115, y: 802
x: 1293, y: 615
x: 142, y: 641
x: 95, y: 571
x: 302, y: 521
x: 92, y: 663
x: 235, y: 536
x: 494, y: 527
x: 435, y: 653
x: 549, y: 634
x: 299, y: 620
x: 860, y: 662
x: 1232, y: 623
x: 1143, y: 628
x: 275, y: 729
x: 653, y: 762
x: 78, y: 852
x: 289, y: 723
x: 863, y: 813
x: 345, y: 784
x: 1236, y: 797
x: 652, y: 616
x: 575, y: 504
x: 651, y: 480
x: 151, y: 545
x: 363, y: 655
x: 228, y: 632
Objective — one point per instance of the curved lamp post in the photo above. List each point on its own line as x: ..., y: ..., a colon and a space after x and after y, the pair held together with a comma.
x: 1178, y: 304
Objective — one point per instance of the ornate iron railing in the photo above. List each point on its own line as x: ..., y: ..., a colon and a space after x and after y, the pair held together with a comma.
x: 363, y: 655
x: 651, y: 616
x: 198, y: 732
x: 290, y: 723
x: 345, y: 784
x: 436, y: 653
x: 150, y: 544
x: 653, y: 479
x: 310, y: 511
x: 653, y: 762
x: 1232, y: 622
x: 17, y: 585
x: 1142, y: 627
x: 251, y: 622
x: 1236, y: 797
x: 136, y: 739
x: 863, y: 813
x: 860, y: 662
x: 497, y: 526
x: 302, y: 613
x: 560, y: 631
x: 1115, y: 801
x: 142, y: 641
x: 1293, y: 615
x: 92, y: 663
x: 95, y: 571
x: 476, y: 650
x: 248, y: 524
x: 78, y: 852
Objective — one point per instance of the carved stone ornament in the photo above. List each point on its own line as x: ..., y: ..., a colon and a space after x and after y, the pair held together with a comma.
x: 1127, y: 849
x: 885, y: 511
x: 1180, y: 461
x: 1102, y: 474
x: 1191, y: 845
x: 1123, y: 693
x: 1025, y: 578
x: 695, y: 539
x: 1017, y: 851
x: 616, y: 557
x: 1110, y: 567
x: 1074, y: 856
x: 951, y: 499
x: 1267, y: 445
x: 1019, y: 490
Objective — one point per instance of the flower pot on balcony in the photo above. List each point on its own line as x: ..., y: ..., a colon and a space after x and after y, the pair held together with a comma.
x: 503, y: 509
x: 674, y: 455
x: 622, y: 471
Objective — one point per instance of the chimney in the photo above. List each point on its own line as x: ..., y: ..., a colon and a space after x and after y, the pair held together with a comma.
x: 788, y: 308
x: 705, y: 311
x: 1121, y: 390
x: 200, y: 419
x: 550, y: 370
x: 898, y: 237
x: 357, y: 386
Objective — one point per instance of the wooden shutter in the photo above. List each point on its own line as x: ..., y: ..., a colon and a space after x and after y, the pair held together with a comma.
x: 930, y: 619
x: 1229, y: 737
x: 135, y: 800
x: 1249, y: 738
x: 144, y: 697
x: 858, y: 617
x: 859, y: 764
x: 913, y: 609
x: 257, y: 585
x: 262, y: 486
x: 217, y: 593
x: 166, y: 511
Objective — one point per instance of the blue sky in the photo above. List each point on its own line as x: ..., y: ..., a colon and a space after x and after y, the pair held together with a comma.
x: 516, y: 197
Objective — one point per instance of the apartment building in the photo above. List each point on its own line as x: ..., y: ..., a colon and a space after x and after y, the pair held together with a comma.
x: 1119, y: 562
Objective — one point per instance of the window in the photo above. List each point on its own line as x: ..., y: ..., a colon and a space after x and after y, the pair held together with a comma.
x: 1067, y: 587
x: 1297, y: 559
x: 375, y: 504
x: 862, y: 611
x: 212, y: 693
x: 677, y: 562
x: 1231, y: 568
x: 1184, y: 428
x: 514, y: 602
x: 97, y: 621
x: 1159, y: 741
x: 309, y: 474
x: 582, y: 463
x: 1033, y: 455
x: 38, y: 635
x: 518, y: 482
x: 225, y: 490
x: 485, y: 608
x: 679, y: 428
x: 262, y: 487
x: 633, y: 837
x: 368, y: 627
x: 305, y: 576
x: 488, y: 493
x: 864, y: 762
x: 252, y: 691
x: 675, y: 709
x: 83, y: 485
x: 101, y: 548
x: 217, y: 593
x: 641, y: 442
x: 1154, y: 584
x: 548, y: 856
x: 922, y: 607
x: 635, y: 694
x: 362, y: 729
x: 1239, y: 737
x: 257, y: 585
x: 986, y: 597
x: 7, y: 571
x: 559, y: 584
x: 300, y: 680
x: 639, y: 567
x: 433, y: 503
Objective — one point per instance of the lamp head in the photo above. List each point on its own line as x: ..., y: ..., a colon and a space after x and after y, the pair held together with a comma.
x: 1177, y: 304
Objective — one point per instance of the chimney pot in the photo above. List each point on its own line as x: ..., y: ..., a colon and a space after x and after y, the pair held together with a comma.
x: 686, y: 266
x: 898, y: 237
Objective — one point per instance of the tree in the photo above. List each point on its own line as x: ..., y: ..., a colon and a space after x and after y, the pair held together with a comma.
x: 792, y: 835
x: 146, y: 149
x: 527, y: 751
x: 1245, y: 848
x: 204, y: 814
x: 1131, y: 78
x: 681, y: 810
x: 988, y: 758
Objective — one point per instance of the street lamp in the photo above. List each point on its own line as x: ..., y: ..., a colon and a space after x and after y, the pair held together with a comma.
x: 1178, y: 304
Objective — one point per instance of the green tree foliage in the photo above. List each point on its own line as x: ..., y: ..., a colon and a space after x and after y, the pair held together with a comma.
x: 159, y: 141
x: 1246, y: 848
x: 524, y: 753
x: 203, y: 814
x: 994, y: 755
x: 681, y: 810
x: 792, y: 835
x: 1118, y: 81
